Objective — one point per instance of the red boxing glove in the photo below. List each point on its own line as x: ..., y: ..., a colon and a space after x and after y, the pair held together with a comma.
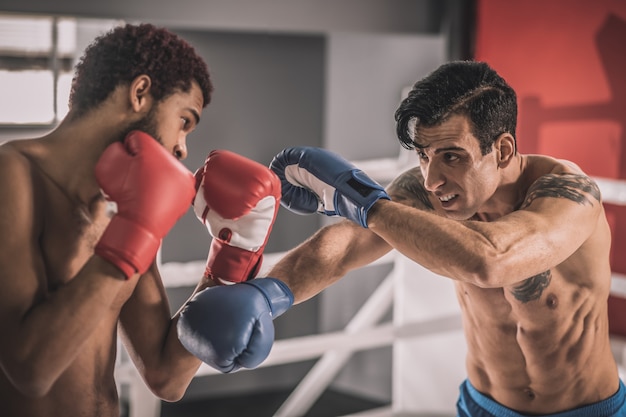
x: 152, y: 190
x: 237, y: 199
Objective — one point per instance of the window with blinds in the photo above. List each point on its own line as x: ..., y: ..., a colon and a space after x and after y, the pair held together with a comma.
x: 36, y: 59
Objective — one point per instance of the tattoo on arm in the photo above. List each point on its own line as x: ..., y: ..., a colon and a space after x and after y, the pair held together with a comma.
x: 571, y: 186
x: 409, y: 189
x: 532, y: 288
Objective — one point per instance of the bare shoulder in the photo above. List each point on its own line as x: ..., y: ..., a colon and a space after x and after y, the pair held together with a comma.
x: 15, y: 170
x: 408, y: 188
x: 20, y: 224
x: 20, y: 195
x: 563, y: 180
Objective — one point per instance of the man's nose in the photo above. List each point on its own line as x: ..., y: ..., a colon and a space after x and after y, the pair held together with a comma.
x: 180, y: 150
x: 433, y: 177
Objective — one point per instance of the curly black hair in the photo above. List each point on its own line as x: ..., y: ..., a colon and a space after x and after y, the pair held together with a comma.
x: 468, y: 88
x: 125, y: 52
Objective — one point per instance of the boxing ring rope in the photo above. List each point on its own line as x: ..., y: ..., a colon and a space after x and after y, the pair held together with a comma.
x: 333, y: 349
x: 614, y: 192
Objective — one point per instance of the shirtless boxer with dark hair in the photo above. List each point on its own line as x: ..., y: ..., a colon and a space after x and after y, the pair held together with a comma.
x: 83, y: 211
x: 524, y: 237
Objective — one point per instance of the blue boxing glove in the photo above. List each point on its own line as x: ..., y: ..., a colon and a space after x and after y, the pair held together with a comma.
x: 318, y: 180
x: 230, y: 327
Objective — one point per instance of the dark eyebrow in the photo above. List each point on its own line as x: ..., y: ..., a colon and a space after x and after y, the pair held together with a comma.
x: 195, y: 114
x: 450, y: 148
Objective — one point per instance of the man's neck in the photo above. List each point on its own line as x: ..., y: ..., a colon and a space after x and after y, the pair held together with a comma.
x: 510, y: 193
x: 72, y: 151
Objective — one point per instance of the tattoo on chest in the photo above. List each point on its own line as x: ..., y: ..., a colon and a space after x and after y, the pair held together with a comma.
x: 571, y: 186
x: 532, y: 288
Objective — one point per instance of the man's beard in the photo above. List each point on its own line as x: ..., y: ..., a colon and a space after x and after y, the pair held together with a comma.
x: 147, y: 125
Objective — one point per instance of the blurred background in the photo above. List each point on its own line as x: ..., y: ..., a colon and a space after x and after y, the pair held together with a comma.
x: 331, y: 74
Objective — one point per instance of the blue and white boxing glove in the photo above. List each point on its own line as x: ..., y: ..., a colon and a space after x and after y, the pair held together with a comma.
x: 231, y: 327
x: 318, y: 180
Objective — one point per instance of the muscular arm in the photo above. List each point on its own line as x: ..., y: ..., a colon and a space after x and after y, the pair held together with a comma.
x: 344, y: 246
x: 327, y: 256
x: 149, y: 334
x: 43, y: 331
x: 559, y: 213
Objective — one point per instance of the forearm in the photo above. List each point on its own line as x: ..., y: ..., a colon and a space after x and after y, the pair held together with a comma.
x: 304, y: 274
x: 51, y: 333
x: 169, y: 378
x: 446, y: 247
x: 150, y: 336
x: 326, y: 257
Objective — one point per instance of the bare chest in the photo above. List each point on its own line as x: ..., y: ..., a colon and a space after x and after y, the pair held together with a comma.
x: 68, y: 237
x: 540, y: 303
x: 535, y: 328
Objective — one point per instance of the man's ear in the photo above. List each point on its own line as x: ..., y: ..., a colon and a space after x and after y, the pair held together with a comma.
x: 139, y: 92
x: 505, y: 148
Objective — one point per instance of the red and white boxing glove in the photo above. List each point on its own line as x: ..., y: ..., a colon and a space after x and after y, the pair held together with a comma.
x: 152, y: 190
x: 238, y: 200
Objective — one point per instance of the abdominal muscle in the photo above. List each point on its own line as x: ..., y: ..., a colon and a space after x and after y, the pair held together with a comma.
x: 540, y: 357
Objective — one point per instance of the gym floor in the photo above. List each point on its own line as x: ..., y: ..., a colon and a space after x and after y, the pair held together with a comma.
x: 330, y: 404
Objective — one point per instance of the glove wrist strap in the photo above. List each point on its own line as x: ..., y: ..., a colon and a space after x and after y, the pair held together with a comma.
x: 229, y: 264
x: 128, y: 246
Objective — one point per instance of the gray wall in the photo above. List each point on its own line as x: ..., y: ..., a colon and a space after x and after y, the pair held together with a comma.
x: 365, y: 77
x: 301, y: 16
x: 269, y: 94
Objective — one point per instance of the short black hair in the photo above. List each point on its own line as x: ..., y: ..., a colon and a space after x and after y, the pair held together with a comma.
x: 468, y: 88
x: 127, y: 51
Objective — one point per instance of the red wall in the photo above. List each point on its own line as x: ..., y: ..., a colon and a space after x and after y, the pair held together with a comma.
x: 567, y: 61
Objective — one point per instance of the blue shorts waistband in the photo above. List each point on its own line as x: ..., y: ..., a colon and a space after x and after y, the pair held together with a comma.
x: 605, y: 408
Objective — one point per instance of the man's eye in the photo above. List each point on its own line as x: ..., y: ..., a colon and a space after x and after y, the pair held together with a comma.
x: 450, y: 157
x: 421, y: 155
x: 185, y: 121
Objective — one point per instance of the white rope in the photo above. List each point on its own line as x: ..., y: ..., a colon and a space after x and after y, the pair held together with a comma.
x: 613, y: 190
x: 310, y: 347
x: 322, y: 373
